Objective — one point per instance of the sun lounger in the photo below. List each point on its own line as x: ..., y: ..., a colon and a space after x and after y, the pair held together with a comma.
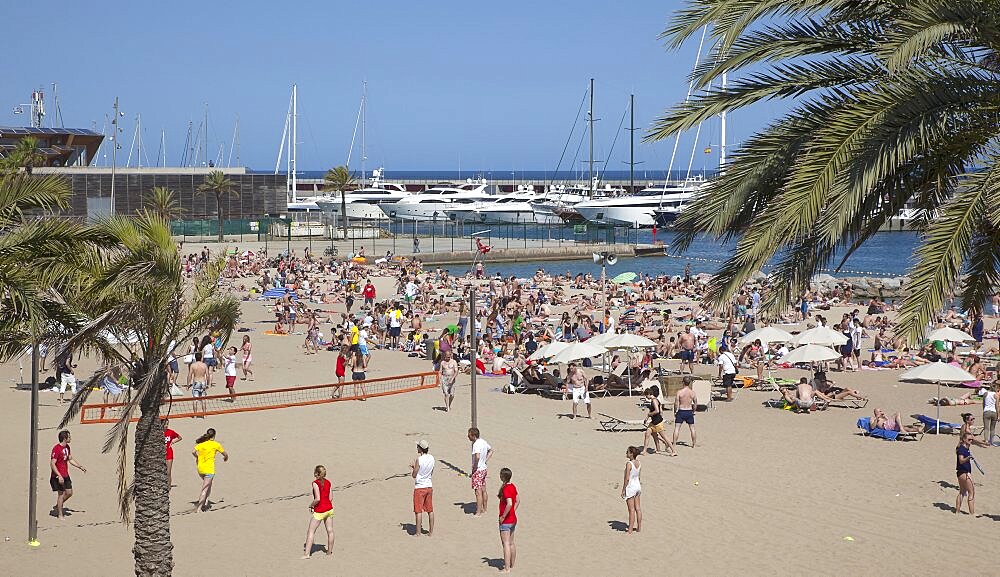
x: 818, y: 405
x: 615, y: 425
x: 865, y: 424
x: 703, y: 390
x: 849, y: 403
x: 931, y: 425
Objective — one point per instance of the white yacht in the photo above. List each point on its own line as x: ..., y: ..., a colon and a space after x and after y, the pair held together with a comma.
x: 639, y: 210
x: 364, y: 203
x: 559, y: 203
x: 436, y: 202
x: 513, y: 208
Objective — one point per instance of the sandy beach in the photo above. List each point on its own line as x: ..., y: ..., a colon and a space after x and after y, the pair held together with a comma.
x: 765, y: 492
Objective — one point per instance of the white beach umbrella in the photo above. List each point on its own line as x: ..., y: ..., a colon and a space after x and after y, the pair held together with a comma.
x: 548, y: 350
x: 627, y: 341
x: 767, y: 335
x: 601, y: 338
x: 938, y: 372
x: 810, y: 354
x: 819, y: 336
x: 949, y: 334
x: 576, y: 351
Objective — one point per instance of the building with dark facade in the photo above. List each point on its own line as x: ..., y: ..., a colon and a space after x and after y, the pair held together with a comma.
x: 56, y: 146
x: 257, y: 194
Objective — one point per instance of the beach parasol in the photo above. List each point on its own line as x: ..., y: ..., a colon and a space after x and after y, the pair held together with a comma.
x: 548, y: 350
x: 938, y: 372
x: 819, y: 336
x: 810, y: 354
x: 601, y: 338
x: 628, y: 341
x: 624, y: 277
x: 576, y: 351
x: 949, y: 334
x: 767, y: 335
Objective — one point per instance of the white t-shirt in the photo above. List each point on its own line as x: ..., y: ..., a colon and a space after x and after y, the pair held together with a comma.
x: 425, y: 468
x: 230, y: 366
x: 990, y: 402
x: 394, y: 319
x: 363, y: 337
x: 728, y: 362
x: 208, y: 352
x: 481, y: 448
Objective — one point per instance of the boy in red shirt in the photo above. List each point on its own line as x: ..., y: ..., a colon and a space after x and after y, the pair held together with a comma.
x: 369, y: 293
x: 59, y: 463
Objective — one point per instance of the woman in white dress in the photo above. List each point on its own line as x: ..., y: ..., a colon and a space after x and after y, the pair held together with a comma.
x: 632, y: 490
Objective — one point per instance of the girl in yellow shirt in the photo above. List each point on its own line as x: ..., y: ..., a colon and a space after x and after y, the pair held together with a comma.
x: 204, y: 452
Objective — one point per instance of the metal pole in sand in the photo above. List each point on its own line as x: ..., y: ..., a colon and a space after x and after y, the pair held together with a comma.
x: 33, y: 457
x: 473, y: 351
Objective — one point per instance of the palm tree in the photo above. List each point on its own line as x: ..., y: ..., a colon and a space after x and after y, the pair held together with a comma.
x: 217, y: 183
x: 134, y: 290
x: 893, y: 101
x: 24, y: 155
x: 163, y: 203
x: 341, y: 180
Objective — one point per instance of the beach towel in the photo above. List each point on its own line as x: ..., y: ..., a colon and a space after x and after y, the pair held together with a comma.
x: 865, y: 424
x: 274, y: 334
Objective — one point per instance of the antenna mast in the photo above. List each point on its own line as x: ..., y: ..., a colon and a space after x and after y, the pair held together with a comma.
x: 364, y: 114
x: 294, y: 145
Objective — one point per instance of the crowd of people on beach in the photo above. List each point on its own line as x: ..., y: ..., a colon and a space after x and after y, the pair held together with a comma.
x: 429, y: 316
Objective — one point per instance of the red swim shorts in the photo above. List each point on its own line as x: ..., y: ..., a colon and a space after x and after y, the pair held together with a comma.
x: 479, y: 479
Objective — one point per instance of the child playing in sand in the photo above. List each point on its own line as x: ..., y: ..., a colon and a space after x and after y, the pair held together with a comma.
x: 322, y: 512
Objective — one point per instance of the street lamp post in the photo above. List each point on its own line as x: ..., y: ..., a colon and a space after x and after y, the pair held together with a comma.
x: 473, y: 350
x: 33, y: 457
x: 115, y: 129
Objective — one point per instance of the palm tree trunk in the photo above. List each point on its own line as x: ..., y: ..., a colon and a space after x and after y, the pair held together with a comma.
x: 218, y: 204
x: 153, y: 550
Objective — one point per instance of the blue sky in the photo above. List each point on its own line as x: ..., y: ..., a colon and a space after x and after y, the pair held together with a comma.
x: 488, y: 86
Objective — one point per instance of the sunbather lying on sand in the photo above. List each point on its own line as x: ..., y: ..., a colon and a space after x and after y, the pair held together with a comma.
x: 965, y: 399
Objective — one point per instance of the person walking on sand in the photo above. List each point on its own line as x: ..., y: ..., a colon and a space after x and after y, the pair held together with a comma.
x: 632, y: 489
x: 169, y: 438
x: 358, y: 372
x: 655, y: 424
x: 229, y: 360
x: 481, y: 453
x: 340, y: 371
x: 322, y: 512
x: 963, y: 469
x: 65, y: 368
x: 578, y: 388
x: 685, y: 402
x: 509, y: 500
x: 246, y: 348
x: 198, y: 376
x: 59, y: 462
x: 421, y: 469
x: 447, y: 374
x: 204, y: 452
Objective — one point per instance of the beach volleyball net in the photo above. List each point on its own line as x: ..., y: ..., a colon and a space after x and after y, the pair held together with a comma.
x: 222, y: 404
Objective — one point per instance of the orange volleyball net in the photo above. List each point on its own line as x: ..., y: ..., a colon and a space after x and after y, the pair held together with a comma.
x: 180, y: 407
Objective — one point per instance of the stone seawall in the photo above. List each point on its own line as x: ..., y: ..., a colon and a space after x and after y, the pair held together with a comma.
x: 866, y: 287
x: 571, y: 251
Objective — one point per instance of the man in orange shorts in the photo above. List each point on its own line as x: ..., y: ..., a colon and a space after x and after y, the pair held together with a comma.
x: 421, y: 470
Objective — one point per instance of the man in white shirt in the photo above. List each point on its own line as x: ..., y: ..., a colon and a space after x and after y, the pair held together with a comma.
x: 481, y: 453
x: 727, y: 370
x: 421, y: 470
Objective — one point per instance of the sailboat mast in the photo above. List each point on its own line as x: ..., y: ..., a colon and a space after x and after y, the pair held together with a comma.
x: 631, y: 144
x: 294, y: 145
x: 590, y: 120
x: 722, y: 145
x: 364, y: 114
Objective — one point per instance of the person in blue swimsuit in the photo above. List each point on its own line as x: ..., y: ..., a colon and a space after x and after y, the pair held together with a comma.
x: 963, y: 469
